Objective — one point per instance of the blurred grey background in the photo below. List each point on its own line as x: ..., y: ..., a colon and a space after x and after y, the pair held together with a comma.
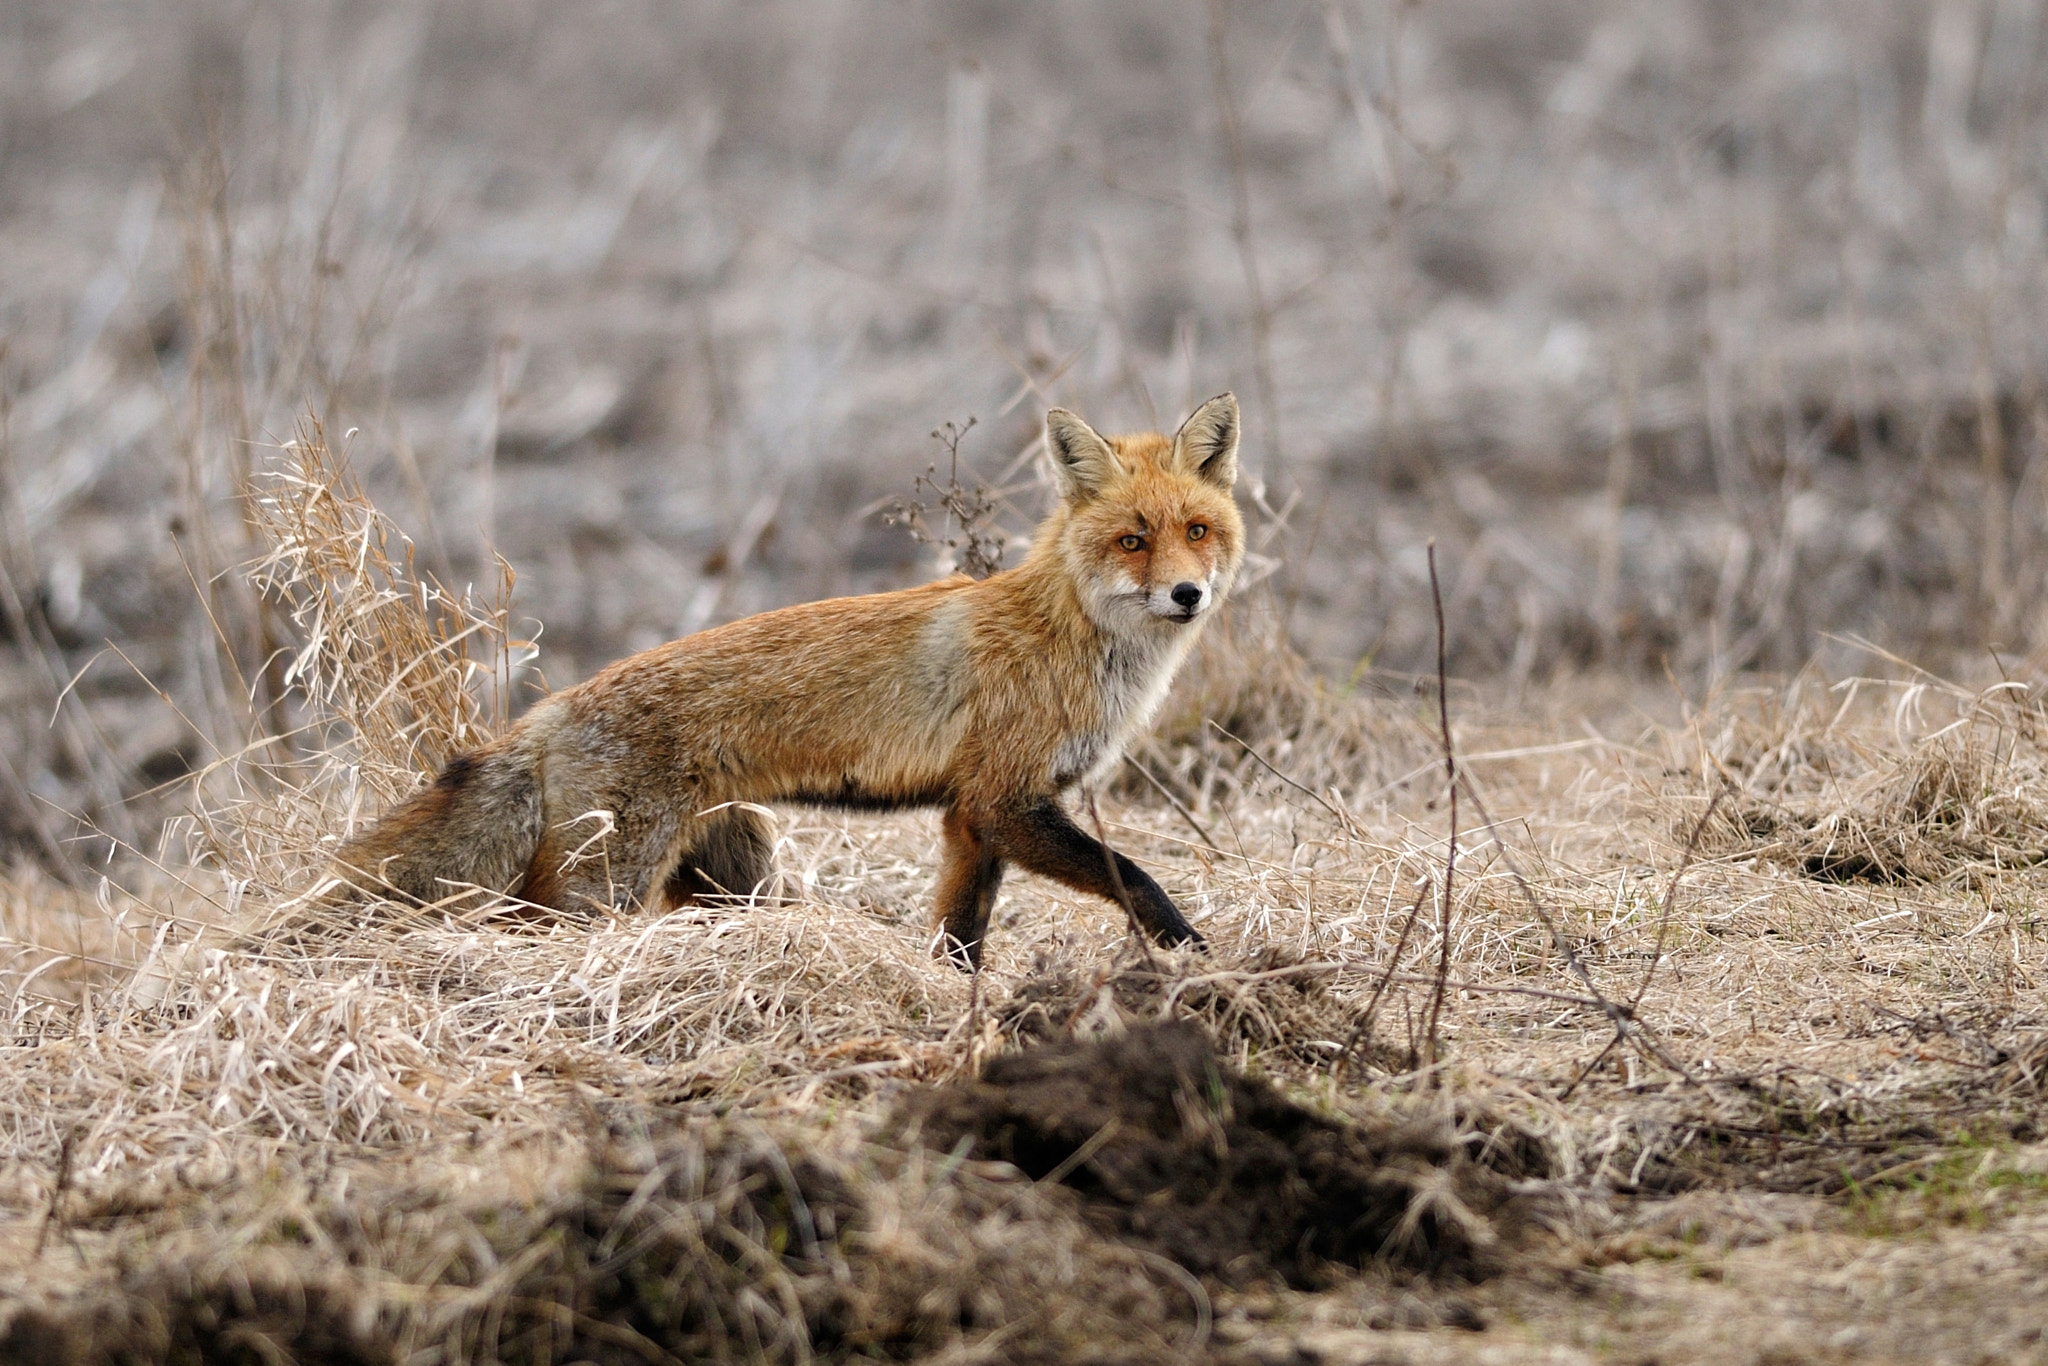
x: 1703, y: 337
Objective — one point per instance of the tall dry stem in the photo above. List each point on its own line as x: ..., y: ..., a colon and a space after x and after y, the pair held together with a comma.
x: 391, y: 673
x: 1443, y: 711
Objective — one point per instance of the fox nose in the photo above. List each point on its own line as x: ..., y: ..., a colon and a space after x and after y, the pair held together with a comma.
x: 1187, y: 596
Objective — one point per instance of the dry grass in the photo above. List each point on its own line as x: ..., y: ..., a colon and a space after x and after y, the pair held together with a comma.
x: 214, y: 1110
x: 1956, y: 792
x: 391, y: 674
x: 1777, y: 374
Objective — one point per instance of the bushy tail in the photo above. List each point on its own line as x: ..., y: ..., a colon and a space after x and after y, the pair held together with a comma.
x: 479, y: 824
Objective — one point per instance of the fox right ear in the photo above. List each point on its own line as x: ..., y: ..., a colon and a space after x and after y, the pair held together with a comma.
x: 1206, y: 443
x: 1082, y: 461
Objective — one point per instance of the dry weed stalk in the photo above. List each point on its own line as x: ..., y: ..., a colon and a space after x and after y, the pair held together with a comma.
x: 1366, y: 1019
x: 414, y: 671
x: 1138, y: 937
x: 1241, y: 235
x: 392, y: 672
x: 976, y: 549
x: 1451, y: 784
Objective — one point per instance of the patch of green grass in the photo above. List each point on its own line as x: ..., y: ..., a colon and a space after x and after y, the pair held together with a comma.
x: 1968, y: 1186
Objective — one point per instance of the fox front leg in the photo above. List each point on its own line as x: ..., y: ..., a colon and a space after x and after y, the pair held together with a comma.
x: 1040, y: 838
x: 967, y: 889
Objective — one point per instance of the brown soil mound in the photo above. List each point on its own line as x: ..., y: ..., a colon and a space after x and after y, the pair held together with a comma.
x: 264, y: 1318
x: 705, y: 1243
x: 1217, y: 1170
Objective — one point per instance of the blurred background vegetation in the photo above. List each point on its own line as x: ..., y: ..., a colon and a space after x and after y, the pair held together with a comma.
x: 1704, y: 337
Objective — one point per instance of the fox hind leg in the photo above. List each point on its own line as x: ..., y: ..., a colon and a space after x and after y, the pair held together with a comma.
x: 730, y: 853
x: 968, y: 882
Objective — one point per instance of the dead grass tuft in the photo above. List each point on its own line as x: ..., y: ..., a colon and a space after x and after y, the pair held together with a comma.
x: 1959, y: 799
x: 1274, y: 1008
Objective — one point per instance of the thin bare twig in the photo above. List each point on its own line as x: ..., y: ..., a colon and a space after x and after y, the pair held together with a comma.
x: 1241, y: 234
x: 1626, y: 1026
x: 1692, y: 844
x: 1342, y: 818
x: 53, y: 1217
x: 973, y: 1009
x: 1179, y: 806
x: 1443, y: 713
x: 1372, y: 1006
x: 1612, y: 1043
x: 977, y: 549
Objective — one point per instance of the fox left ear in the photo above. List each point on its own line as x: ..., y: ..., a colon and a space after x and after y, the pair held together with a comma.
x: 1206, y: 443
x: 1082, y: 462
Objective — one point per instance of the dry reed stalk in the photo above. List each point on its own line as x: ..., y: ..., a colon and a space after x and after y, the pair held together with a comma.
x: 1372, y: 1005
x: 392, y: 673
x: 1116, y: 880
x: 1451, y: 784
x: 1273, y: 468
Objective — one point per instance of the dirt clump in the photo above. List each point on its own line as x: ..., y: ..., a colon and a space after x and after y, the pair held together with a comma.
x: 1175, y: 1151
x: 694, y: 1241
x: 321, y: 1323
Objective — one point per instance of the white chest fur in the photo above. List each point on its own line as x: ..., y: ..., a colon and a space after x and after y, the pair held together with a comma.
x: 1135, y: 673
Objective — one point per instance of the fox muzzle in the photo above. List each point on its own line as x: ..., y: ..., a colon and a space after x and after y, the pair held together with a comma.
x: 1184, y: 601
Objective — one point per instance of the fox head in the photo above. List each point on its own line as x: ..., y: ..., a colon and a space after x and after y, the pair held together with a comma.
x: 1146, y: 526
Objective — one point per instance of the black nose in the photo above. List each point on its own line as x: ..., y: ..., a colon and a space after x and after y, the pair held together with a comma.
x: 1188, y: 595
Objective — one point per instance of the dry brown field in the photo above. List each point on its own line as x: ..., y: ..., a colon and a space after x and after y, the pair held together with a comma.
x: 1658, y: 978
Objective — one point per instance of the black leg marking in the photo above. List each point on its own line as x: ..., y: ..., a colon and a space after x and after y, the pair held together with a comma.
x: 1043, y: 839
x: 733, y: 856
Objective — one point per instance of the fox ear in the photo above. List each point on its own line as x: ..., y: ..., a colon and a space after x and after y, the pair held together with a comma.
x: 1206, y: 443
x: 1082, y: 461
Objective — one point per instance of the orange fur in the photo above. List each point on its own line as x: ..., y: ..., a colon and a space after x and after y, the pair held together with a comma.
x: 991, y: 699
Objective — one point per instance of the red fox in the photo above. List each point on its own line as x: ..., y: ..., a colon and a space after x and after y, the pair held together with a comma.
x: 990, y: 698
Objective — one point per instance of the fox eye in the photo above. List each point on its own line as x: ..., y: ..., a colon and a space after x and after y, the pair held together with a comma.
x: 1197, y: 532
x: 1132, y: 542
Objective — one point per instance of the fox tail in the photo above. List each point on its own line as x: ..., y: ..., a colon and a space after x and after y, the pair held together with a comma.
x: 478, y: 824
